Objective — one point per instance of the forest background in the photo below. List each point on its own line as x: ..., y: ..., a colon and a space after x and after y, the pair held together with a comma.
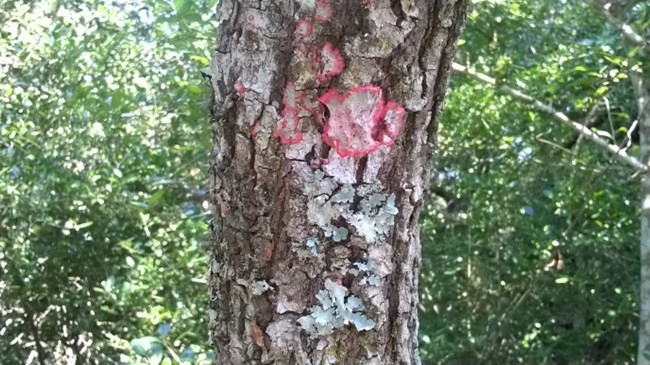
x: 104, y: 145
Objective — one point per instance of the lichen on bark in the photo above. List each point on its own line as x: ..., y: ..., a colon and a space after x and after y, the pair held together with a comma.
x: 315, y: 255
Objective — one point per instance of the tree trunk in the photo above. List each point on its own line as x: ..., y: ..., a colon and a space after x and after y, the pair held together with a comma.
x: 324, y: 122
x: 642, y: 90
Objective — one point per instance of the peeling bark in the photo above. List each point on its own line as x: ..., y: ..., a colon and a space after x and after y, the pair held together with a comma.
x: 315, y: 256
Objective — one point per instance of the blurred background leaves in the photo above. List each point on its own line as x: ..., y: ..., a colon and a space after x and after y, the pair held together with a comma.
x: 512, y: 188
x: 104, y: 140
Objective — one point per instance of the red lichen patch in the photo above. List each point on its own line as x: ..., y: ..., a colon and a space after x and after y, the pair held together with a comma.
x: 360, y: 121
x: 240, y: 89
x: 303, y: 30
x: 392, y: 122
x: 287, y: 130
x: 255, y: 128
x: 257, y: 335
x: 330, y: 63
x: 324, y: 11
x: 267, y: 252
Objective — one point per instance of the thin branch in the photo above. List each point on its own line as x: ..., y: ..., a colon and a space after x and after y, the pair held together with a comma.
x: 550, y: 143
x: 625, y: 29
x: 618, y: 152
x: 590, y: 121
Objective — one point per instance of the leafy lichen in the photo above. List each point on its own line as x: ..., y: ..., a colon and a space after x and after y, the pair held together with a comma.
x: 259, y: 287
x: 335, y: 311
x: 329, y: 203
x: 367, y: 270
x: 376, y: 216
x: 311, y: 245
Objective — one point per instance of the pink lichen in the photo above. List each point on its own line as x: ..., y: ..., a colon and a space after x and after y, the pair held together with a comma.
x: 240, y: 89
x: 267, y: 252
x: 330, y: 63
x: 287, y: 130
x: 360, y: 121
x: 303, y: 29
x: 324, y: 11
x: 255, y: 128
x: 393, y: 120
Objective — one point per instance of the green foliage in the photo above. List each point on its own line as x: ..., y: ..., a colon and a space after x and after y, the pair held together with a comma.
x: 512, y: 187
x: 103, y: 140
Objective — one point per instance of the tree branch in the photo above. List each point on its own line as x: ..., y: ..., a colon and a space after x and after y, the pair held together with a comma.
x: 590, y: 121
x: 618, y: 152
x: 625, y: 29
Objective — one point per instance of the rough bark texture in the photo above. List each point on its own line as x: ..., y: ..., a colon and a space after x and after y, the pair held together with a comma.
x: 316, y: 256
x: 642, y: 90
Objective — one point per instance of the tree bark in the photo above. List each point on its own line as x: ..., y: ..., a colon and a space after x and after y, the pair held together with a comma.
x: 642, y: 91
x: 324, y: 123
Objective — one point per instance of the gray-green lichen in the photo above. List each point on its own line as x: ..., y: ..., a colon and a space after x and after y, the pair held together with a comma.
x: 311, y: 245
x: 367, y: 270
x: 330, y: 204
x: 334, y: 312
x: 259, y: 287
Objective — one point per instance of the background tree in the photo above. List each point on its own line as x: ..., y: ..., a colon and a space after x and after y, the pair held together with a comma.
x: 102, y: 157
x: 325, y: 119
x: 532, y: 188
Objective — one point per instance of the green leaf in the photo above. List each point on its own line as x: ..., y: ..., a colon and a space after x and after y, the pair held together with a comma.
x: 156, y: 197
x: 83, y: 225
x: 156, y: 357
x: 147, y: 346
x: 194, y: 89
x: 179, y: 4
x: 618, y: 61
x: 201, y: 59
x: 601, y: 91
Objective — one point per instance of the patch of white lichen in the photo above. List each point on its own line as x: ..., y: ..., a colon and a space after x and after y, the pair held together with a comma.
x: 338, y: 210
x: 367, y: 271
x: 336, y: 310
x: 259, y: 287
x: 330, y: 204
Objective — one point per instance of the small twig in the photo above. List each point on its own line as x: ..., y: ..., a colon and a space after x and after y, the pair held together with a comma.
x: 618, y: 152
x: 553, y: 144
